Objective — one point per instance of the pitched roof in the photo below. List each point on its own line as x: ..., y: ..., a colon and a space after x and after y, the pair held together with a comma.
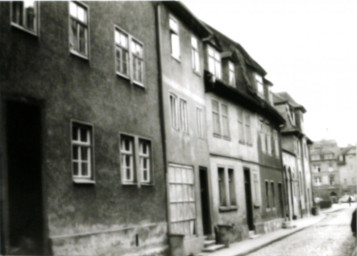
x: 284, y: 97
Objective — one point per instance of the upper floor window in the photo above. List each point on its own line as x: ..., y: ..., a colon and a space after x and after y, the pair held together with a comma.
x: 226, y: 185
x: 231, y: 74
x: 214, y: 62
x: 200, y: 122
x: 259, y: 84
x: 78, y: 28
x: 25, y: 15
x: 276, y: 143
x: 82, y: 150
x: 262, y: 137
x: 129, y: 57
x: 145, y: 160
x: 195, y: 55
x: 127, y: 159
x: 244, y: 127
x: 179, y: 113
x: 220, y: 119
x: 175, y: 39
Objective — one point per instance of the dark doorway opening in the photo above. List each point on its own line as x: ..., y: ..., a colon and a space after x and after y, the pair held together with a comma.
x: 281, y: 202
x: 205, y: 205
x: 248, y: 199
x: 24, y: 179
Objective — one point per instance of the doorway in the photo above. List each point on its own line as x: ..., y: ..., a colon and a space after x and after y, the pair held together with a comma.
x: 248, y: 199
x: 281, y: 202
x: 24, y: 218
x: 205, y: 205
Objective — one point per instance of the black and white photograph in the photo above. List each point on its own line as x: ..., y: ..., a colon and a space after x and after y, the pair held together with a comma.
x: 178, y: 128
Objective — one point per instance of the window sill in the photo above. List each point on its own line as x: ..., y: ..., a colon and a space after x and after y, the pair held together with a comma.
x: 83, y: 181
x: 147, y: 184
x: 196, y: 73
x: 228, y: 208
x: 268, y: 209
x: 141, y: 85
x: 226, y: 138
x: 17, y: 26
x: 127, y: 183
x: 217, y: 135
x: 122, y: 75
x: 178, y: 59
x: 77, y: 54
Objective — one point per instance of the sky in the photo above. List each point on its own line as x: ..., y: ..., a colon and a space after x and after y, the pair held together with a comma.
x: 307, y: 47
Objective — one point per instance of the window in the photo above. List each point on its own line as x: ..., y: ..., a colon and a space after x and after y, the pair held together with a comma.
x: 24, y: 14
x: 332, y: 179
x: 182, y: 200
x: 215, y: 117
x: 175, y: 39
x: 226, y: 185
x: 144, y: 160
x: 214, y: 62
x: 200, y: 122
x: 127, y: 159
x: 247, y: 131
x: 122, y: 53
x: 183, y: 116
x: 174, y: 112
x: 268, y: 138
x: 231, y: 74
x: 225, y: 120
x: 262, y: 137
x: 317, y: 181
x: 82, y: 148
x: 276, y: 143
x: 195, y: 55
x: 267, y: 194
x: 256, y: 189
x: 272, y: 194
x: 129, y: 57
x: 78, y: 31
x: 259, y: 84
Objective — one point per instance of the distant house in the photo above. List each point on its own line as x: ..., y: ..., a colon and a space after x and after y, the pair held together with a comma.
x: 347, y: 165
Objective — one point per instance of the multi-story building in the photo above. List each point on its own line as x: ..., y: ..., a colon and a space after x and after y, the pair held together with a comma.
x: 187, y: 163
x: 82, y: 170
x: 246, y: 186
x: 347, y: 165
x: 295, y: 145
x: 325, y: 170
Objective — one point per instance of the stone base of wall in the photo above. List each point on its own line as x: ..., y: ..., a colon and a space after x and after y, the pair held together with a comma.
x: 268, y: 226
x: 148, y: 240
x: 193, y: 245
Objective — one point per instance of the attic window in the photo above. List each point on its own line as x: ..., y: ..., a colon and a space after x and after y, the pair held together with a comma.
x: 259, y: 84
x: 214, y: 62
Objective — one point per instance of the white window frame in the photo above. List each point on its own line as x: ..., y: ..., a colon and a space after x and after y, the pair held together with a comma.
x: 231, y: 74
x: 247, y: 129
x: 183, y: 115
x: 228, y: 194
x: 74, y: 49
x: 225, y: 120
x: 214, y: 62
x: 276, y: 143
x: 134, y: 56
x: 217, y: 113
x: 200, y: 122
x: 118, y: 31
x: 174, y: 33
x: 24, y: 26
x: 195, y: 55
x: 145, y: 157
x: 123, y: 153
x: 89, y: 144
x: 259, y: 84
x: 173, y: 101
x: 240, y: 116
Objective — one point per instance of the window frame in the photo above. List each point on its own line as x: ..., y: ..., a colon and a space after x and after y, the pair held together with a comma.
x: 200, y: 122
x: 36, y: 32
x: 216, y: 62
x: 195, y: 53
x: 72, y: 51
x: 121, y: 31
x: 145, y: 156
x: 267, y: 195
x: 231, y: 74
x: 177, y: 33
x: 141, y: 58
x: 227, y: 189
x: 174, y: 112
x: 217, y: 113
x: 134, y: 179
x: 89, y: 179
x: 183, y: 115
x: 259, y: 83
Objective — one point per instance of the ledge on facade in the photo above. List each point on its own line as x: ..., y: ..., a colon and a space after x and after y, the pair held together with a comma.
x: 228, y: 208
x: 235, y: 95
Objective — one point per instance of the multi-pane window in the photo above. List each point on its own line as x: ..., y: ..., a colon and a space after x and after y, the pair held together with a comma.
x: 144, y: 160
x: 137, y: 58
x: 225, y: 120
x: 82, y: 152
x: 174, y: 112
x: 195, y: 55
x: 127, y: 159
x: 179, y: 113
x: 183, y: 116
x: 129, y: 57
x: 216, y: 117
x: 214, y: 62
x: 25, y: 15
x: 200, y: 122
x: 122, y: 52
x: 231, y: 74
x: 226, y: 186
x: 182, y: 200
x: 259, y: 84
x: 175, y: 39
x: 78, y: 31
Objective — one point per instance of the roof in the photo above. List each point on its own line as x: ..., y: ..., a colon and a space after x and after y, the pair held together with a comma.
x: 284, y: 97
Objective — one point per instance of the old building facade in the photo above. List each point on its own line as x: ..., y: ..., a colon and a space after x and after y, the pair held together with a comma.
x: 347, y: 165
x: 82, y: 164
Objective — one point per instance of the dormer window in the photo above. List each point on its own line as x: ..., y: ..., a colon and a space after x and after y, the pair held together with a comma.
x: 259, y: 84
x: 231, y: 74
x: 214, y: 62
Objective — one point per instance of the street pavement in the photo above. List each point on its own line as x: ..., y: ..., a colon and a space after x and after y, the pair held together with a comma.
x: 330, y: 237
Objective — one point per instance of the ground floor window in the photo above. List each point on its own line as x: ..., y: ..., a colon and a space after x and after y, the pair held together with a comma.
x: 182, y: 200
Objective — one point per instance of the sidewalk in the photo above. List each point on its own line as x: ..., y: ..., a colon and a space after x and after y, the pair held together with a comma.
x: 247, y: 246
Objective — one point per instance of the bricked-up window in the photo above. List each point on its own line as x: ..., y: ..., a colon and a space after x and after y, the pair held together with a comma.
x: 127, y: 159
x: 216, y: 117
x: 214, y: 62
x: 82, y: 152
x: 78, y: 28
x: 195, y: 55
x: 267, y: 194
x: 121, y: 53
x: 226, y: 186
x: 174, y: 37
x: 24, y: 14
x: 145, y: 160
x: 231, y: 74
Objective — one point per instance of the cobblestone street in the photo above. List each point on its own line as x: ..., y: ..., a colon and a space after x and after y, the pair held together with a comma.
x: 330, y: 237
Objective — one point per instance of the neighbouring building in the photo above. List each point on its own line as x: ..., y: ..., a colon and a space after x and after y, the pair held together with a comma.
x: 295, y: 146
x: 187, y: 160
x: 347, y: 165
x: 82, y: 169
x: 325, y: 170
x: 245, y: 184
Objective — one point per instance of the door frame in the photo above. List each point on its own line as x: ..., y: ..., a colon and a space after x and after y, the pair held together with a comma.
x: 246, y: 170
x: 202, y: 169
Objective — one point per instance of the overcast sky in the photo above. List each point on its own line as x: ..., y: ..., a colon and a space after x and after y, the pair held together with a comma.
x: 308, y: 48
